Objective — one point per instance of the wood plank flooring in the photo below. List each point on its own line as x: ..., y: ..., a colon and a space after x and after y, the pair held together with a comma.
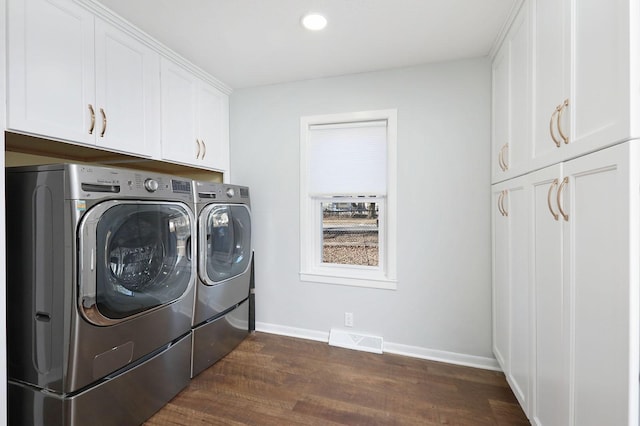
x: 276, y: 380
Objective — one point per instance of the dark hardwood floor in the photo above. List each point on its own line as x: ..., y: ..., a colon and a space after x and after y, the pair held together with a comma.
x: 276, y: 380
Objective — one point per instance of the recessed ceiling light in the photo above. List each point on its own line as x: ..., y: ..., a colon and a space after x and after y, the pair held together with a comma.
x: 314, y: 21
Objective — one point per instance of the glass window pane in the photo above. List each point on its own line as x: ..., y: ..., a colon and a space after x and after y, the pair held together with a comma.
x: 350, y: 233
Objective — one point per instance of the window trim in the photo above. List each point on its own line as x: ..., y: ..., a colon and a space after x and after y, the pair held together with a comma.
x: 311, y: 269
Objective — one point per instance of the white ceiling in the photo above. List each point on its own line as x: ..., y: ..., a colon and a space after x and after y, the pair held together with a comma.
x: 247, y: 43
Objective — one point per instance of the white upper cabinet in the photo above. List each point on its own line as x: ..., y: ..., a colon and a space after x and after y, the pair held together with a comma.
x: 195, y: 120
x: 127, y: 103
x: 566, y: 82
x: 552, y: 51
x: 50, y: 69
x: 511, y: 100
x: 214, y: 127
x: 500, y: 112
x: 76, y: 78
x: 586, y: 77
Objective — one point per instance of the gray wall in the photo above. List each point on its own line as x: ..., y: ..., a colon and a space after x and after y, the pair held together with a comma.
x: 443, y: 296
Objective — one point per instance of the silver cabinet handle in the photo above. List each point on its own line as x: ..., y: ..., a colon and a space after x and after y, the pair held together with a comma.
x: 553, y: 184
x: 565, y: 181
x: 500, y: 203
x: 198, y: 151
x: 204, y: 149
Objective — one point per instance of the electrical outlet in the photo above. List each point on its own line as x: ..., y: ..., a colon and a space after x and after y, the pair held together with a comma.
x: 348, y: 319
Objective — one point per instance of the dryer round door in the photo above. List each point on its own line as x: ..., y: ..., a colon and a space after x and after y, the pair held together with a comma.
x: 224, y: 247
x: 134, y: 257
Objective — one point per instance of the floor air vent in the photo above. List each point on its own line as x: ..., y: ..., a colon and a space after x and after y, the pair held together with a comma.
x: 357, y: 341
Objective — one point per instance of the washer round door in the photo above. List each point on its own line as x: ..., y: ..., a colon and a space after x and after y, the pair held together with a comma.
x: 224, y: 243
x: 134, y: 257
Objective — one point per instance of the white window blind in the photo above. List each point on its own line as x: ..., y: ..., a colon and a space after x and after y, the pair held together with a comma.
x: 348, y: 158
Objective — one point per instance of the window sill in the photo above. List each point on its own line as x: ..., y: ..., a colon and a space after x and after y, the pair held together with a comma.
x: 379, y: 283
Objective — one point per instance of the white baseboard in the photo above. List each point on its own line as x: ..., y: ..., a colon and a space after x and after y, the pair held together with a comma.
x: 302, y: 333
x: 443, y: 356
x: 484, y: 363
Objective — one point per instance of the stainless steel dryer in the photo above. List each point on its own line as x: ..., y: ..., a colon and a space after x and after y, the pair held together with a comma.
x: 221, y: 315
x: 100, y: 293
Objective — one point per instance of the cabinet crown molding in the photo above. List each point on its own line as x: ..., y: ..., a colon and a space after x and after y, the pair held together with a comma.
x: 505, y: 28
x: 113, y: 18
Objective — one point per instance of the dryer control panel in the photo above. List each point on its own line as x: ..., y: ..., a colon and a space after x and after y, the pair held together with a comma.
x: 208, y: 192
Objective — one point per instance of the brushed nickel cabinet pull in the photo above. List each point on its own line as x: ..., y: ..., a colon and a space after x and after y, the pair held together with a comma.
x: 562, y: 107
x: 553, y: 184
x: 93, y: 119
x: 204, y: 149
x: 553, y: 135
x: 198, y: 151
x: 565, y: 181
x: 500, y: 203
x: 104, y: 122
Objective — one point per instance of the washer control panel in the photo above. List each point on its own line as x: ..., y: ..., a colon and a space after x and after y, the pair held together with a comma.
x: 95, y: 182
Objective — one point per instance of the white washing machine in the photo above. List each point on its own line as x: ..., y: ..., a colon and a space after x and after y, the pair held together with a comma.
x: 221, y: 314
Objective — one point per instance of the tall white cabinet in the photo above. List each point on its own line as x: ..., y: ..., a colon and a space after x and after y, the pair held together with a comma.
x: 566, y: 275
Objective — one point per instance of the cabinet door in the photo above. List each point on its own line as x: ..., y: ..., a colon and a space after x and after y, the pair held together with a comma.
x: 551, y: 349
x: 601, y: 267
x: 517, y: 154
x: 501, y: 291
x: 552, y: 30
x: 511, y: 100
x: 586, y: 64
x: 50, y: 69
x: 518, y: 375
x: 511, y: 286
x: 500, y: 112
x: 180, y: 141
x: 213, y: 124
x: 127, y: 93
x: 601, y: 74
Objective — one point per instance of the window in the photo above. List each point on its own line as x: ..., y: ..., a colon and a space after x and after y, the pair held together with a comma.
x: 347, y: 198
